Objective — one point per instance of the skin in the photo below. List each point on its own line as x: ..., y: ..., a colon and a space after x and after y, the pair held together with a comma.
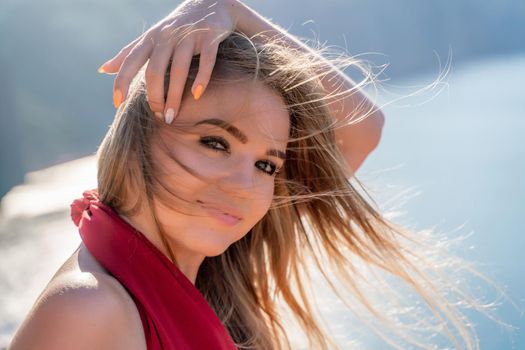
x: 82, y: 307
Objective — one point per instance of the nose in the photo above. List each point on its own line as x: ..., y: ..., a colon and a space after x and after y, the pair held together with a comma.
x: 240, y: 177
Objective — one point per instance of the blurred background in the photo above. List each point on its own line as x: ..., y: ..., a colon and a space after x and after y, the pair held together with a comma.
x: 456, y: 151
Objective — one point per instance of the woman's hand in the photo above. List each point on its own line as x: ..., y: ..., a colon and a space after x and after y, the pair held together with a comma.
x: 194, y: 27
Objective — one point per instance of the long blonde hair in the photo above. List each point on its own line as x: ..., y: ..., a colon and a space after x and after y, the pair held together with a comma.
x: 319, y: 218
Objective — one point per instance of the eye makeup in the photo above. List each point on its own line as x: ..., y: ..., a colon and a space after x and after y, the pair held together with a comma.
x: 220, y: 144
x: 216, y: 143
x: 238, y: 134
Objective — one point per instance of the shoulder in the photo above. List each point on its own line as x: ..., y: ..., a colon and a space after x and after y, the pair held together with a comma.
x: 81, y: 310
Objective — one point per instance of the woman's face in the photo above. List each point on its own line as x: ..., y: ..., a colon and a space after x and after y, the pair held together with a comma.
x: 234, y: 138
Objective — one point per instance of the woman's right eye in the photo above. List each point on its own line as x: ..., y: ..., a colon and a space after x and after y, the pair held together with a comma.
x: 215, y: 143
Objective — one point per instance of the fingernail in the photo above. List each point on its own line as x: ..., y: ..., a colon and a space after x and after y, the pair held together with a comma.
x: 170, y: 114
x: 117, y: 98
x: 198, y: 92
x: 159, y: 115
x: 101, y: 69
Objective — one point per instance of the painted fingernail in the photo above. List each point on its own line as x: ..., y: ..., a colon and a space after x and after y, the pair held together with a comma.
x: 159, y: 115
x: 198, y: 92
x: 117, y: 98
x: 101, y: 69
x: 170, y: 114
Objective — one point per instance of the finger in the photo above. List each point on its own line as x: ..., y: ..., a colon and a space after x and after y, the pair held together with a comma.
x: 155, y: 72
x: 178, y: 74
x: 207, y: 59
x: 129, y: 68
x: 113, y: 65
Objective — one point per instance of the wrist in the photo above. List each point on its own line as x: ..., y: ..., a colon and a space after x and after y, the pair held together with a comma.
x: 234, y: 8
x: 243, y: 17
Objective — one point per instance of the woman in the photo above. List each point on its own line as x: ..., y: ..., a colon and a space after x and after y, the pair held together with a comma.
x: 219, y: 187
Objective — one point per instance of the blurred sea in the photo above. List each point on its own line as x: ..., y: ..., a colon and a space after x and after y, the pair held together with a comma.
x: 463, y: 151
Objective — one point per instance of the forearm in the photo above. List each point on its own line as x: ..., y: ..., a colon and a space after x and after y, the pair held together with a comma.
x: 355, y: 141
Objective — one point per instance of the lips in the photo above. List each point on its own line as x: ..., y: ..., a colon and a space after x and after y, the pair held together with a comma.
x: 226, y: 215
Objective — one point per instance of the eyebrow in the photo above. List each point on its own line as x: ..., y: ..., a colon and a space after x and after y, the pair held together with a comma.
x: 239, y: 135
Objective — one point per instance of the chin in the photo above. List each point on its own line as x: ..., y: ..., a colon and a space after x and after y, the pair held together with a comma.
x: 206, y: 241
x: 213, y: 247
x: 212, y: 251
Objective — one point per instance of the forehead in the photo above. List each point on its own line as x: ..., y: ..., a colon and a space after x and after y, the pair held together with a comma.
x: 251, y: 106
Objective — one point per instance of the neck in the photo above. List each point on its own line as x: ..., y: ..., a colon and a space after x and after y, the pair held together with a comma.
x: 186, y: 261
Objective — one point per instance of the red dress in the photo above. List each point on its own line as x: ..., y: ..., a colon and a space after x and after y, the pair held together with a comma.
x: 174, y: 313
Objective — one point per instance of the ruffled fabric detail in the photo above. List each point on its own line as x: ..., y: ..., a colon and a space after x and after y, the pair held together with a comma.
x: 81, y: 205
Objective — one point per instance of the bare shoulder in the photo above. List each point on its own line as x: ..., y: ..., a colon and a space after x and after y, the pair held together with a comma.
x: 81, y: 310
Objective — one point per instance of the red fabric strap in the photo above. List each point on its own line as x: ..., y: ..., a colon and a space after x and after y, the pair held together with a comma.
x: 174, y: 313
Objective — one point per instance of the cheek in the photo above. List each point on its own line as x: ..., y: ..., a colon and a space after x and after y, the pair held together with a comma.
x: 176, y: 164
x: 261, y: 202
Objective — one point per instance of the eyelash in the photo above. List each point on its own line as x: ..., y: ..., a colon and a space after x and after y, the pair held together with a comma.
x: 212, y: 142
